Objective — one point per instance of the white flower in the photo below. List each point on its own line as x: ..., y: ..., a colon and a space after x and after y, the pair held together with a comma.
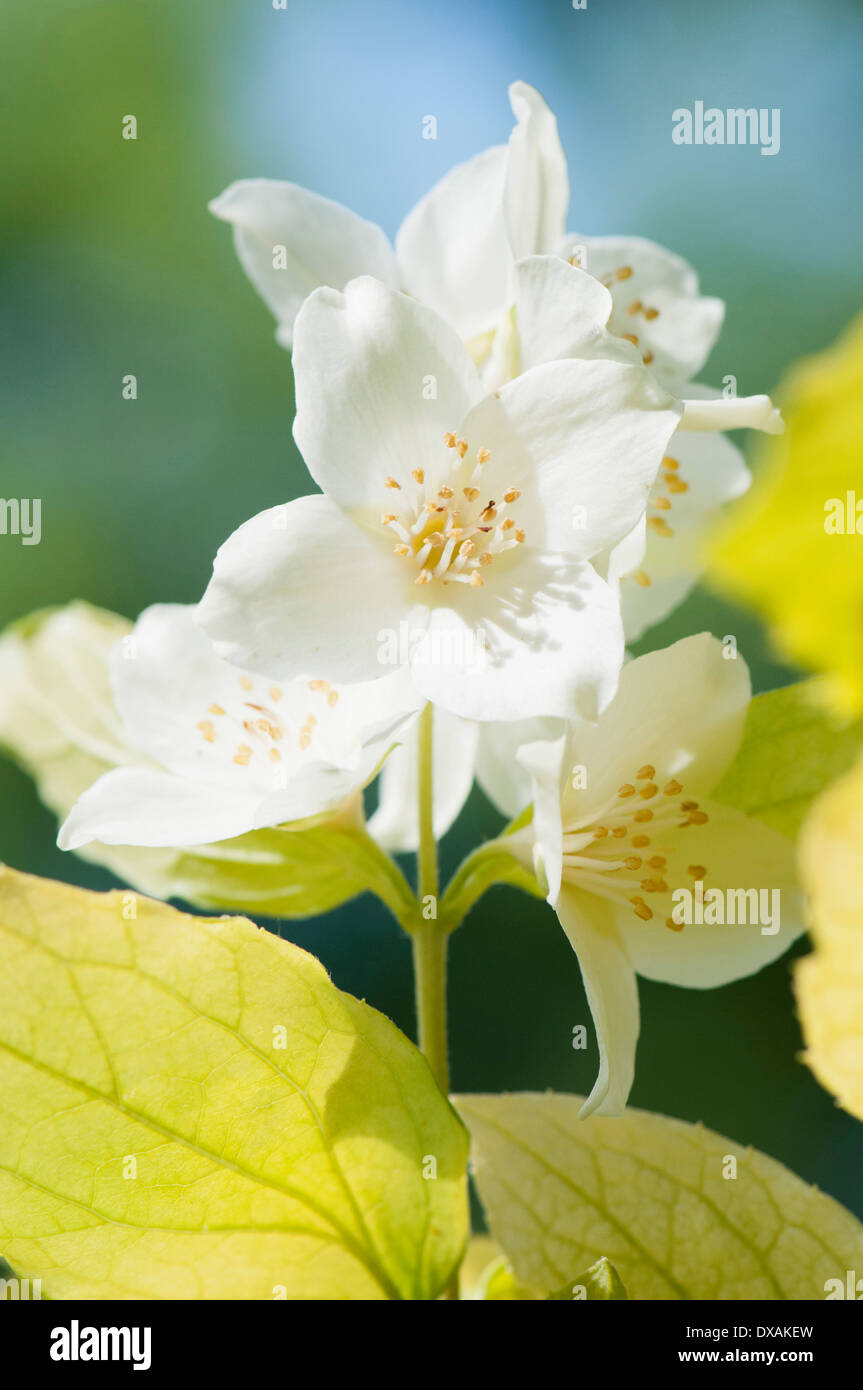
x: 454, y: 251
x: 469, y: 519
x: 562, y: 313
x: 458, y: 250
x: 222, y: 751
x: 623, y: 820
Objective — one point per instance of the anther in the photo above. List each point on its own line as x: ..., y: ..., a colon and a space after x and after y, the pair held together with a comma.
x: 483, y: 456
x: 215, y: 709
x: 512, y: 494
x: 471, y: 493
x: 644, y: 814
x: 672, y: 788
x: 461, y: 445
x: 626, y: 790
x: 207, y: 730
x: 418, y: 475
x: 391, y: 482
x: 642, y: 579
x: 623, y: 273
x: 697, y: 871
x: 245, y: 683
x: 619, y: 832
x: 651, y: 313
x: 640, y: 841
x: 641, y: 909
x: 630, y: 338
x: 449, y: 440
x: 649, y: 791
x: 654, y: 885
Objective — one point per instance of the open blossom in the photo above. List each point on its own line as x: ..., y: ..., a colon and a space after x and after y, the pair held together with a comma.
x: 561, y: 313
x: 459, y: 251
x: 456, y: 249
x: 470, y: 518
x: 222, y: 751
x: 623, y: 820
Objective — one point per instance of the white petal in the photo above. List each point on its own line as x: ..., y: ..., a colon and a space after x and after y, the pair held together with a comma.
x: 543, y: 638
x: 612, y: 993
x: 299, y: 590
x: 547, y: 762
x: 681, y: 709
x: 687, y: 324
x: 324, y: 244
x: 562, y: 311
x: 739, y: 853
x: 732, y: 413
x: 395, y: 823
x: 136, y: 806
x: 452, y: 248
x: 536, y: 194
x: 503, y: 778
x: 583, y: 441
x: 379, y: 380
x: 713, y: 472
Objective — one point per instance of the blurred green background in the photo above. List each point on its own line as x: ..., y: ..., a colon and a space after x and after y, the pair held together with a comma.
x: 112, y: 265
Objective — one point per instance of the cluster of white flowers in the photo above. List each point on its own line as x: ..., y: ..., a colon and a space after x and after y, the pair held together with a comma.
x: 514, y: 472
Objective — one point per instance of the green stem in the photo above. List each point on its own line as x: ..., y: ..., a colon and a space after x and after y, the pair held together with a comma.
x: 430, y: 936
x: 427, y: 856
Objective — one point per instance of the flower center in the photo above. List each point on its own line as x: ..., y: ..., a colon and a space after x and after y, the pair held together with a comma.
x: 242, y: 729
x: 447, y: 528
x: 614, y: 853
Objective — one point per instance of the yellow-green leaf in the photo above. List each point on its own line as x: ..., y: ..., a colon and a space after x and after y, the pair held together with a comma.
x: 829, y: 983
x: 189, y: 1109
x: 656, y: 1197
x: 793, y: 747
x: 599, y: 1284
x: 780, y: 553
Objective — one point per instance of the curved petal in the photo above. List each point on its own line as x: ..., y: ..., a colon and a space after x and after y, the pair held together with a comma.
x: 452, y: 248
x: 752, y: 867
x: 380, y: 379
x: 700, y: 474
x: 561, y: 311
x: 547, y: 762
x: 583, y: 441
x: 536, y: 191
x: 323, y: 244
x: 680, y: 709
x: 612, y: 993
x: 503, y: 778
x: 137, y: 806
x: 656, y: 300
x: 300, y: 590
x: 543, y: 638
x: 395, y: 823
